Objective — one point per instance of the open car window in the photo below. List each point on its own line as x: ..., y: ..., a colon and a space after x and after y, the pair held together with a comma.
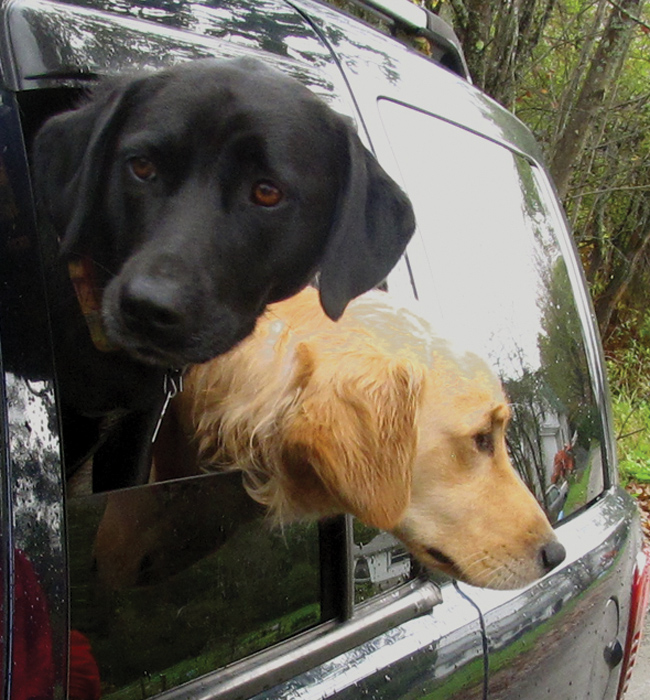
x: 490, y: 271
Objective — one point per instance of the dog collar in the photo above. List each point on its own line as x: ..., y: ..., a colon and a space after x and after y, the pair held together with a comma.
x: 82, y: 276
x: 172, y: 385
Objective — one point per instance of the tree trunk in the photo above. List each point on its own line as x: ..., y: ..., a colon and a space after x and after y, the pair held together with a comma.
x: 611, y: 49
x: 607, y: 302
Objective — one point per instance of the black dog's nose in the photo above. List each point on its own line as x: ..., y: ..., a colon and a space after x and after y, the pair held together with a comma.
x: 552, y: 554
x: 149, y: 304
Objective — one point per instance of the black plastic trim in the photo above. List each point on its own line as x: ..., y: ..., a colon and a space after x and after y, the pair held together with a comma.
x: 337, y: 575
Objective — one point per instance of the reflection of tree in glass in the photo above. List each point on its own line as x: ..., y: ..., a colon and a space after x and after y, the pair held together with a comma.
x: 99, y: 44
x: 354, y: 47
x: 250, y: 19
x: 259, y: 587
x: 552, y: 402
x: 524, y: 432
x: 564, y: 361
x: 559, y: 392
x: 259, y: 24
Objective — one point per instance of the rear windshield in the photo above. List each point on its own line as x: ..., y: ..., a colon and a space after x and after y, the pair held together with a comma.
x: 489, y: 267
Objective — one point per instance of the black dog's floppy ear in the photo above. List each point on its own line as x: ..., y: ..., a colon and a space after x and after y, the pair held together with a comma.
x: 69, y: 158
x: 375, y: 222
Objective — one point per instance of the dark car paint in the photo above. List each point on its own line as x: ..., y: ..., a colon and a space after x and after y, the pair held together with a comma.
x: 543, y: 641
x: 32, y: 506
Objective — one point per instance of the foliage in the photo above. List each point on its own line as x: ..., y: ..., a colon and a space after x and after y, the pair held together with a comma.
x: 632, y: 425
x: 630, y: 373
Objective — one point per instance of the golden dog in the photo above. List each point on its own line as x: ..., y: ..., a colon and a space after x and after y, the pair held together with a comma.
x: 373, y: 416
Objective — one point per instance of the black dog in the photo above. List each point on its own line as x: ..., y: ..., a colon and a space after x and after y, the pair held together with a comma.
x: 188, y: 199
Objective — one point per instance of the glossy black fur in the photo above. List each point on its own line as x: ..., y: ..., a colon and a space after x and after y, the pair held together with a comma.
x: 188, y: 261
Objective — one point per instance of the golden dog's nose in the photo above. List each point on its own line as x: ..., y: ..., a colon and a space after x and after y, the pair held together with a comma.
x: 552, y: 555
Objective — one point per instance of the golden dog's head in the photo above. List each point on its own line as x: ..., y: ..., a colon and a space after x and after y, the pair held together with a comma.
x: 377, y: 417
x: 469, y: 513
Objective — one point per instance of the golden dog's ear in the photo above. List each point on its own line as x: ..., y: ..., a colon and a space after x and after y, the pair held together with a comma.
x: 354, y: 435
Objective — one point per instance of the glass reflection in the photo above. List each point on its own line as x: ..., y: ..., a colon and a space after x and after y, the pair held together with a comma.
x: 380, y: 562
x: 37, y: 654
x: 62, y: 41
x: 266, y: 26
x: 350, y: 41
x: 490, y: 271
x: 173, y: 580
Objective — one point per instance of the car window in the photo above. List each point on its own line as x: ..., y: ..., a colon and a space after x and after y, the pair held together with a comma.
x: 490, y: 271
x: 170, y: 581
x: 173, y: 580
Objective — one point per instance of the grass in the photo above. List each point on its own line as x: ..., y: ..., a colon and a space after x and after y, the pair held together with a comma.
x: 578, y: 492
x: 630, y: 380
x: 632, y: 426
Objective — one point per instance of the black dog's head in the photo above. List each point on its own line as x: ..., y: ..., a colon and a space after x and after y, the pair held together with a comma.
x: 205, y: 191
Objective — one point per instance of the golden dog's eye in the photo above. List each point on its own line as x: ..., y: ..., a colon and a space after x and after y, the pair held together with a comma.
x: 484, y: 443
x: 142, y: 168
x: 266, y: 194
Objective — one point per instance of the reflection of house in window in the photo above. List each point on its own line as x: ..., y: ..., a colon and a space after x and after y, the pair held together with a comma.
x: 382, y: 562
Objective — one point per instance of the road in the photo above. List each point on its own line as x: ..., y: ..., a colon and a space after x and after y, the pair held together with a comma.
x: 639, y: 688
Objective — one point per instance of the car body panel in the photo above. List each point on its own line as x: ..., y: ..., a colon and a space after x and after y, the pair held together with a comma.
x: 554, y: 618
x: 566, y: 621
x: 436, y: 655
x: 45, y: 42
x: 33, y: 531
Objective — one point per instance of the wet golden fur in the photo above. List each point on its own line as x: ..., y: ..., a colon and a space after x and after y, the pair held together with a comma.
x: 373, y: 416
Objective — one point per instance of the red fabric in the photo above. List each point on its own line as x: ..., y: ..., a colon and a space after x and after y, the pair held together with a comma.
x: 33, y: 665
x: 84, y: 674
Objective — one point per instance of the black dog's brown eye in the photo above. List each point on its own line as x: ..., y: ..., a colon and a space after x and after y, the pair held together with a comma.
x: 266, y: 194
x: 143, y: 169
x: 484, y: 442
